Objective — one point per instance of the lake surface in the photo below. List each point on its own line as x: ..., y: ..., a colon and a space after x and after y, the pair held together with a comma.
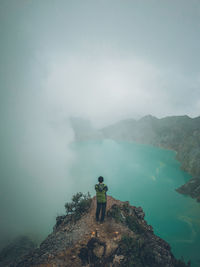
x: 145, y: 176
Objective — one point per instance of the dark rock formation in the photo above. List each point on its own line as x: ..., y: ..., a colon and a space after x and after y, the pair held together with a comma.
x: 124, y: 239
x: 179, y: 133
x: 191, y: 188
x: 18, y: 248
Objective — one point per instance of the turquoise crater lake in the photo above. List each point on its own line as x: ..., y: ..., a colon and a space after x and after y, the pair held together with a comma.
x: 146, y: 176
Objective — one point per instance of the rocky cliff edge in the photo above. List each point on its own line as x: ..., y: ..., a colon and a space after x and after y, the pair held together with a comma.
x: 124, y: 239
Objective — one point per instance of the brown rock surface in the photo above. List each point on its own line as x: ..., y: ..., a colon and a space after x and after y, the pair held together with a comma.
x: 88, y: 243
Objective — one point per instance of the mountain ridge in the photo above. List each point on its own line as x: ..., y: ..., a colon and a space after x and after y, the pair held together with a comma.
x: 178, y: 133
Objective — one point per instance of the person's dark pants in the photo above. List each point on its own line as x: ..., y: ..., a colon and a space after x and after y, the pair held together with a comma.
x: 101, y: 207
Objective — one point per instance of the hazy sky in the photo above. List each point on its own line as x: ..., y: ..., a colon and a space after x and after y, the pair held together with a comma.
x: 105, y: 60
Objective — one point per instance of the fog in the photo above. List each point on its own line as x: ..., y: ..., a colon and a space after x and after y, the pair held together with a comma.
x: 100, y: 60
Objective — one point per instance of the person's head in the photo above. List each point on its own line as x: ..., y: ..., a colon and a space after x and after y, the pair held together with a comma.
x: 100, y: 179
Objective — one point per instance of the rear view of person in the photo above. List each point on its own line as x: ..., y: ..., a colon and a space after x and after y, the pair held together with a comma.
x: 101, y: 190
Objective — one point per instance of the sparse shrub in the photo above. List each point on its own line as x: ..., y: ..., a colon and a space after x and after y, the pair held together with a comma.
x: 116, y: 213
x: 79, y: 205
x: 126, y: 208
x: 134, y: 225
x: 130, y: 248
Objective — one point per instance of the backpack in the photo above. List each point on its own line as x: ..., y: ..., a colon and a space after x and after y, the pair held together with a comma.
x: 101, y: 190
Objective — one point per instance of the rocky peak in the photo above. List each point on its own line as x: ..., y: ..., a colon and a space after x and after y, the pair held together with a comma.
x: 124, y: 239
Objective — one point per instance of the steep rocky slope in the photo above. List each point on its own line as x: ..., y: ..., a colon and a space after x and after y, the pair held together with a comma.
x: 124, y: 239
x: 179, y: 133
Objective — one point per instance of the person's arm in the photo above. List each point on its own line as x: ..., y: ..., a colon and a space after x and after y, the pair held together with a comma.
x: 106, y: 188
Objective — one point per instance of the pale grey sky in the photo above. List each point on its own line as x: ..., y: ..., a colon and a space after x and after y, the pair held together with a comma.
x: 131, y: 58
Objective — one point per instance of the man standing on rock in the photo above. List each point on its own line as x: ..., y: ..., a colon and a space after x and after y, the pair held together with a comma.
x: 101, y: 190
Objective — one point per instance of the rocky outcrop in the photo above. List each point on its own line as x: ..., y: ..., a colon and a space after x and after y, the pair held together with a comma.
x: 179, y: 133
x: 191, y: 188
x: 124, y: 239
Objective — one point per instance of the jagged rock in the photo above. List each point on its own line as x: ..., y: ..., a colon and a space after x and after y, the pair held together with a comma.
x: 124, y: 239
x: 139, y: 212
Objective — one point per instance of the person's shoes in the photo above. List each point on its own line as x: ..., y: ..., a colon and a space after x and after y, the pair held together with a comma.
x: 101, y: 222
